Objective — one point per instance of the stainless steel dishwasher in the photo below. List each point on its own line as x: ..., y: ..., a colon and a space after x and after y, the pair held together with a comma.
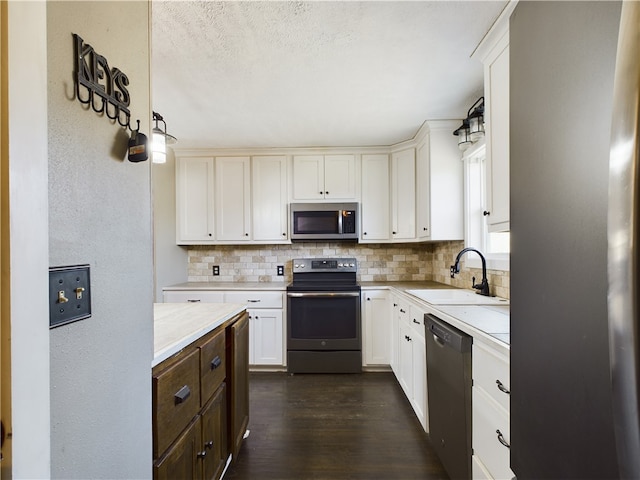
x: 449, y: 395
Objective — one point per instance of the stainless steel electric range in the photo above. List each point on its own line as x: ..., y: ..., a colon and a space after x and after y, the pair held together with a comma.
x: 323, y: 317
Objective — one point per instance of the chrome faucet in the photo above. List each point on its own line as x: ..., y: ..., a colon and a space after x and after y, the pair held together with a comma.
x: 482, y: 287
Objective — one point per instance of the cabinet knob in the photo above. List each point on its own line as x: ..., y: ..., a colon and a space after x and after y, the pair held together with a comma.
x: 246, y: 234
x: 320, y: 192
x: 393, y: 233
x: 326, y: 193
x: 486, y: 213
x: 501, y: 439
x: 202, y: 454
x: 209, y: 444
x: 424, y: 229
x: 210, y: 235
x: 181, y: 395
x: 364, y: 233
x: 502, y: 388
x: 215, y: 363
x: 284, y: 234
x: 368, y: 299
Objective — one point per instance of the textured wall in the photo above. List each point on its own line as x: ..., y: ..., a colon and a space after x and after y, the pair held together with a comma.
x: 100, y: 214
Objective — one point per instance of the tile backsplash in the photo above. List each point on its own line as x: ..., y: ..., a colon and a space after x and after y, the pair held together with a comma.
x: 376, y: 262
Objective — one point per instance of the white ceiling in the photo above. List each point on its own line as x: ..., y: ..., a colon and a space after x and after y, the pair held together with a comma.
x: 322, y: 73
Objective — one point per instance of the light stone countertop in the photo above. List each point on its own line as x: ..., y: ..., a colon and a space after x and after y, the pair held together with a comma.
x: 176, y: 325
x: 485, y: 322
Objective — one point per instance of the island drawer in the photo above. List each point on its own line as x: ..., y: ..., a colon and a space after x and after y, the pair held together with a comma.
x: 213, y: 365
x: 176, y: 399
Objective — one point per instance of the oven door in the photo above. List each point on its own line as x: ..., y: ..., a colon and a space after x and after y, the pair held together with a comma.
x: 323, y: 321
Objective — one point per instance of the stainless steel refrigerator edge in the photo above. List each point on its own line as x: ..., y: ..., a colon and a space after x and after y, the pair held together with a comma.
x: 562, y: 63
x: 623, y: 242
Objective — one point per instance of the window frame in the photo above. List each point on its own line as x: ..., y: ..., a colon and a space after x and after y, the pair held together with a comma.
x: 473, y: 157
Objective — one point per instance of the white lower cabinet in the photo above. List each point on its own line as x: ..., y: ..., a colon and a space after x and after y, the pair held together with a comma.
x: 376, y: 311
x: 490, y: 404
x: 411, y: 370
x: 266, y: 319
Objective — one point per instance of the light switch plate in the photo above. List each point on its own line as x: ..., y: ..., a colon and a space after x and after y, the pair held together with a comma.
x: 69, y: 294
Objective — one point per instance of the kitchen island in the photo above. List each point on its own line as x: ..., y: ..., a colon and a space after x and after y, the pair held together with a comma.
x: 200, y: 388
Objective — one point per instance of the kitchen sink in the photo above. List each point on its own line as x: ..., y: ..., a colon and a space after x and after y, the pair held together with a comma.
x: 455, y: 296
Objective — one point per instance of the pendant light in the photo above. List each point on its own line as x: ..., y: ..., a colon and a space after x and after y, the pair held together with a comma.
x: 160, y: 140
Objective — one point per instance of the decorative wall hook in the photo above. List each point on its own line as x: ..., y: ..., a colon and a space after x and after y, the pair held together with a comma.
x: 103, y: 88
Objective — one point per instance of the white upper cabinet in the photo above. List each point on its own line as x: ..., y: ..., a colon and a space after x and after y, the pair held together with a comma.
x: 494, y: 54
x: 232, y: 199
x: 324, y: 177
x: 374, y: 208
x: 269, y: 198
x: 194, y: 200
x: 440, y: 185
x: 403, y: 195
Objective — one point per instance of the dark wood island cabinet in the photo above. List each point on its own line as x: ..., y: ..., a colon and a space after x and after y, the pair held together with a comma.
x: 200, y: 392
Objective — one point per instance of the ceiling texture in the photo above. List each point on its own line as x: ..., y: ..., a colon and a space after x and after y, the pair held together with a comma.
x: 236, y: 74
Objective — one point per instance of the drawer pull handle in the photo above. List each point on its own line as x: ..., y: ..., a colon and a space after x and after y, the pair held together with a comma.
x: 193, y: 301
x: 502, y: 388
x: 182, y: 394
x: 416, y: 321
x: 215, y: 363
x: 252, y: 301
x: 502, y: 440
x: 209, y: 444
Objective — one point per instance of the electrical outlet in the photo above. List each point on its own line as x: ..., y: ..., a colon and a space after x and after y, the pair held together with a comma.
x: 69, y: 294
x: 280, y: 269
x: 216, y: 270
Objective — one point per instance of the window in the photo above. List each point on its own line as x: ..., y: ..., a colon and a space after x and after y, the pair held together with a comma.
x: 495, y: 245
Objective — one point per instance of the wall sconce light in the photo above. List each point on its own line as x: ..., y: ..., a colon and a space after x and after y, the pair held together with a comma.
x: 464, y: 137
x: 472, y: 128
x: 160, y: 140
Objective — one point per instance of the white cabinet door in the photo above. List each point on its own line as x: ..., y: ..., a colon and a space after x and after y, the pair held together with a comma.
x: 420, y: 380
x: 233, y: 208
x: 374, y: 208
x: 269, y: 198
x: 377, y: 327
x: 440, y: 184
x: 403, y: 195
x: 265, y: 337
x: 308, y: 177
x: 339, y: 177
x: 324, y: 177
x: 194, y: 200
x: 423, y: 193
x: 497, y: 135
x: 405, y: 359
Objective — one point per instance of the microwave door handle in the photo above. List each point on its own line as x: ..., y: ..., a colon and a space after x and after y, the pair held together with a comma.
x: 340, y: 230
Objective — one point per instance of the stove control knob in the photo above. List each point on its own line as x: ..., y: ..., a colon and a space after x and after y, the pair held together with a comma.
x: 352, y: 265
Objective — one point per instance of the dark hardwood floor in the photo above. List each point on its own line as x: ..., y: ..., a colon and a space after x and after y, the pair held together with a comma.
x: 344, y: 426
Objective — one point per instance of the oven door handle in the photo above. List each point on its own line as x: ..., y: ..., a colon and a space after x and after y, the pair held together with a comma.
x: 322, y: 294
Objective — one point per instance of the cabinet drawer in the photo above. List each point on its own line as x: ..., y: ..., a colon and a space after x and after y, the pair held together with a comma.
x: 176, y: 399
x: 255, y: 299
x: 193, y: 296
x: 491, y: 373
x: 416, y: 320
x: 213, y: 365
x: 488, y: 420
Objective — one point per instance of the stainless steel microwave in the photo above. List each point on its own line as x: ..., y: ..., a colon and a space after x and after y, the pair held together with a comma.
x: 324, y: 221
